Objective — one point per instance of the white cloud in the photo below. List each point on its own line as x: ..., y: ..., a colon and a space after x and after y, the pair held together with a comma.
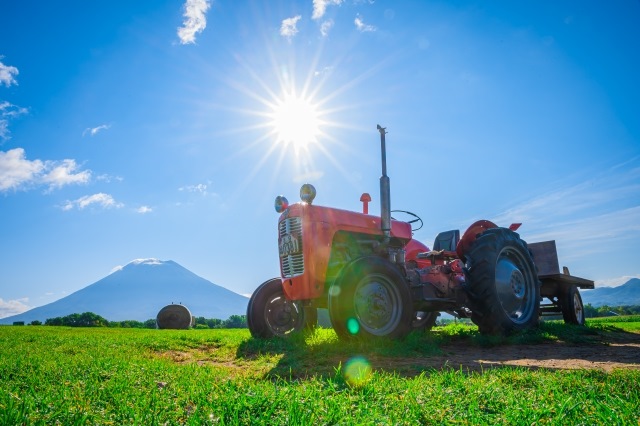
x: 7, y: 74
x: 108, y: 178
x: 288, y: 28
x: 100, y: 199
x: 4, y: 130
x: 320, y: 7
x: 61, y: 174
x: 13, y: 307
x: 144, y: 209
x: 201, y: 188
x: 598, y: 195
x: 325, y: 27
x: 8, y: 111
x: 361, y: 26
x: 323, y: 71
x: 94, y: 130
x: 587, y: 217
x: 195, y: 20
x: 16, y: 172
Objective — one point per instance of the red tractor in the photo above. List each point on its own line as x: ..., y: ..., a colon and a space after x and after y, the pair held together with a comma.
x: 378, y: 282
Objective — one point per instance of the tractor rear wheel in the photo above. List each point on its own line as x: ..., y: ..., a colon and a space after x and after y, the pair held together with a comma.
x: 502, y: 283
x: 571, y: 305
x: 270, y: 313
x: 370, y: 300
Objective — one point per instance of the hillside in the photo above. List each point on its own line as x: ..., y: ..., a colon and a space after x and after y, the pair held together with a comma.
x: 138, y: 291
x: 625, y: 295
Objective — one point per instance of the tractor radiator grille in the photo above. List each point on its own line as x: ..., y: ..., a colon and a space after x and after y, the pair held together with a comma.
x: 292, y: 263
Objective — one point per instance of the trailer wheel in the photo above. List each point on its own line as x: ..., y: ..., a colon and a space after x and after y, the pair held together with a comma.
x: 370, y: 299
x: 502, y: 283
x: 270, y: 314
x: 571, y: 305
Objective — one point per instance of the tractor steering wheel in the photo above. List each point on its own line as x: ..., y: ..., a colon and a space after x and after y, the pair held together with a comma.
x: 417, y: 219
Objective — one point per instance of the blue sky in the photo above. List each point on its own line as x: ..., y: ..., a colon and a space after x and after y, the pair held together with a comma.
x: 165, y: 129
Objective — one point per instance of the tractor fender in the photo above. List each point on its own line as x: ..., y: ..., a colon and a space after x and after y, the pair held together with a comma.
x: 474, y: 231
x: 470, y: 236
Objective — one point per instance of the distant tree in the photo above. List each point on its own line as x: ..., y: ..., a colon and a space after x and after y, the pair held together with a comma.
x: 126, y: 324
x: 35, y: 322
x: 236, y: 321
x: 608, y: 311
x: 86, y: 319
x: 150, y: 323
x: 90, y: 319
x: 215, y: 323
x: 605, y: 311
x: 590, y: 311
x: 53, y: 321
x: 201, y: 326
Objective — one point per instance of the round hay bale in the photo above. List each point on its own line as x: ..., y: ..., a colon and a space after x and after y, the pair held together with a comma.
x: 175, y: 317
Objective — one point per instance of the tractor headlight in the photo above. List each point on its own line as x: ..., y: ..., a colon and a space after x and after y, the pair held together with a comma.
x: 281, y: 203
x: 307, y: 193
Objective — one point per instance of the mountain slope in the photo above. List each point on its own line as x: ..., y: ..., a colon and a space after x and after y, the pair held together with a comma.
x: 138, y: 291
x: 624, y: 295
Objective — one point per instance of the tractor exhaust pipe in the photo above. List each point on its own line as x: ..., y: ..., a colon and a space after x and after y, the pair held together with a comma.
x: 385, y: 189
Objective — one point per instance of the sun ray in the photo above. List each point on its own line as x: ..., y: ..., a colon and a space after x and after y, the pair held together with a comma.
x: 291, y: 118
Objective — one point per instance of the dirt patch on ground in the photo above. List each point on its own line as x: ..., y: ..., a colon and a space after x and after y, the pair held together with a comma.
x: 557, y: 356
x: 615, y: 350
x: 603, y: 352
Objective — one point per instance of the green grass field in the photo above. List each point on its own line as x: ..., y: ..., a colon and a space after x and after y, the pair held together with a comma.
x: 78, y: 376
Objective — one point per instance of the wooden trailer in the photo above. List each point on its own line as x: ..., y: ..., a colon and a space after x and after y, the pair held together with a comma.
x: 559, y: 288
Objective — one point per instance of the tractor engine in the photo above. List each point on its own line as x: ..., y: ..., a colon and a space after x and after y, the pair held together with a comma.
x: 436, y: 285
x: 445, y: 278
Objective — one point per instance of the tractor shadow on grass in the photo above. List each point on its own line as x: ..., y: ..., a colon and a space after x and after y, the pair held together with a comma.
x: 551, y: 347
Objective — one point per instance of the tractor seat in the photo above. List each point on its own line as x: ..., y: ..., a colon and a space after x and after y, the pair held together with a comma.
x: 444, y: 247
x: 447, y: 241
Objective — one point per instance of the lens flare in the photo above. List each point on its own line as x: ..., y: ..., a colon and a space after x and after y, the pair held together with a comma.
x: 334, y: 291
x: 353, y: 326
x: 357, y: 371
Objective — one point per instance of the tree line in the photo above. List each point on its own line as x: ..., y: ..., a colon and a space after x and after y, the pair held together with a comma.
x: 90, y: 319
x: 609, y: 311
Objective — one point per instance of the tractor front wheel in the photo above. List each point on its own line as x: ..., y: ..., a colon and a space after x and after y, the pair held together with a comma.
x: 370, y: 299
x: 270, y: 313
x: 571, y: 305
x: 502, y: 283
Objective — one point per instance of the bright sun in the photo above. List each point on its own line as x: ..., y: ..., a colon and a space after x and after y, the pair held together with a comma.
x: 295, y: 121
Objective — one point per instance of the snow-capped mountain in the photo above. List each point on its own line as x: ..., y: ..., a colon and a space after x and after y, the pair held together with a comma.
x: 138, y: 291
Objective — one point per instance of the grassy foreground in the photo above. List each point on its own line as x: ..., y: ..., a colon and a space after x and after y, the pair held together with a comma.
x: 78, y: 376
